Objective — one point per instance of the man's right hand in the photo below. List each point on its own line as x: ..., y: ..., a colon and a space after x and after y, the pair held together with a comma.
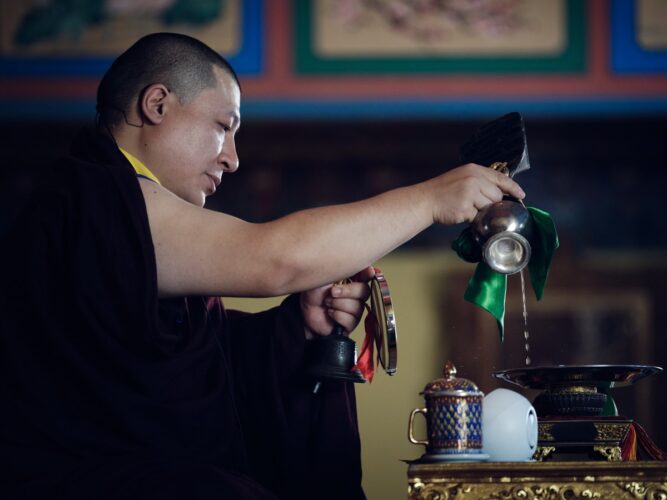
x: 460, y: 193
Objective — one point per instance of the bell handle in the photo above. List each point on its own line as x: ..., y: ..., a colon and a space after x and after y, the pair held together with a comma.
x: 411, y: 437
x: 338, y: 330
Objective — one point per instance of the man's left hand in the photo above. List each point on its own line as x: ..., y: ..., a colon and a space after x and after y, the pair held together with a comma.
x: 342, y: 304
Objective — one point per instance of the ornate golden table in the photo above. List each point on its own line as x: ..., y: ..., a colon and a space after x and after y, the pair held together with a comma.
x: 538, y: 480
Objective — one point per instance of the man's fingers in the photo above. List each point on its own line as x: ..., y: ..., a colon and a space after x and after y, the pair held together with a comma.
x: 492, y: 192
x: 508, y: 186
x: 348, y: 321
x: 365, y: 274
x: 355, y: 290
x: 489, y: 193
x: 351, y: 306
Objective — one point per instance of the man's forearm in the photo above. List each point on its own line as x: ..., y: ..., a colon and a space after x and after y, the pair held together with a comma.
x: 324, y: 244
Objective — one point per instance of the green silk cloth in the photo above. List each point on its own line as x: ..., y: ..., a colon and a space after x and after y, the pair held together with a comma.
x: 487, y: 288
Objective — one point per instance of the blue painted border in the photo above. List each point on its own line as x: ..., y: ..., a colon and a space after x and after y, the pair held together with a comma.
x: 84, y: 110
x: 412, y: 108
x: 247, y: 61
x: 627, y: 56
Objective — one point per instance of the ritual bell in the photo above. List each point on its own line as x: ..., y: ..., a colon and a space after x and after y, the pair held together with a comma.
x: 334, y: 357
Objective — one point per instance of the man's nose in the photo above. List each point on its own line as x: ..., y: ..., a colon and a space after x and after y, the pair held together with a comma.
x: 229, y: 158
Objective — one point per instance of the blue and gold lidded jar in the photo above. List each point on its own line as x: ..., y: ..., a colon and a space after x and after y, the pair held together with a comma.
x: 453, y: 416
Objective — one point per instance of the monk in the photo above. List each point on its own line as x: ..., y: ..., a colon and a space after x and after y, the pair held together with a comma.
x: 122, y: 376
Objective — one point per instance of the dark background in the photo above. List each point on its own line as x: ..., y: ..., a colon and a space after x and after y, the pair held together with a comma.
x: 603, y: 180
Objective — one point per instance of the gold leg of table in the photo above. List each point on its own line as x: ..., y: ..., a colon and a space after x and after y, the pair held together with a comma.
x: 538, y: 480
x: 609, y: 453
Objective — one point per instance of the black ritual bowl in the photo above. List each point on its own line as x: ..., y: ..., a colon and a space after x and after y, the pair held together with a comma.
x: 574, y: 390
x: 548, y: 377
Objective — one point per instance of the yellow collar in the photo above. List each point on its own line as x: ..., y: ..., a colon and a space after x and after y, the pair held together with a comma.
x: 141, y: 169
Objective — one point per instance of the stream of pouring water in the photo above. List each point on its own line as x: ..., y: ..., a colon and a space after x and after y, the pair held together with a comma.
x: 525, y: 319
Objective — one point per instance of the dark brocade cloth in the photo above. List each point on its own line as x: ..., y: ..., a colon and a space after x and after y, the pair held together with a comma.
x: 107, y: 392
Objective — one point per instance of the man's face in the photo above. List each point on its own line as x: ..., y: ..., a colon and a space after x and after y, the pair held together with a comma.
x: 196, y: 141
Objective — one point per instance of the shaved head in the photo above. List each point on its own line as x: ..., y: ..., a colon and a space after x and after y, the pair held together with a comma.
x: 182, y: 63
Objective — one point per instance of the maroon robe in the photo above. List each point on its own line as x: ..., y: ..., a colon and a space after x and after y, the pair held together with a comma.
x: 109, y: 392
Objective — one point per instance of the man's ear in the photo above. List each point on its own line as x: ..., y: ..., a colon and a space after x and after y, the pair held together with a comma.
x: 153, y: 103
